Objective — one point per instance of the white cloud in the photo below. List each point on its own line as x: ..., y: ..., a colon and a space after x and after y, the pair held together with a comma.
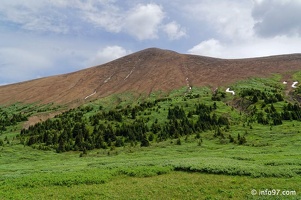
x: 33, y: 15
x: 230, y: 19
x: 211, y: 47
x: 277, y: 17
x: 174, y: 30
x: 102, y: 14
x: 143, y: 21
x: 107, y: 54
x: 254, y: 47
x: 246, y: 28
x: 57, y: 16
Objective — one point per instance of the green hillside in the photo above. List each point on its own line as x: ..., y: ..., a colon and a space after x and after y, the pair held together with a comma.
x: 188, y: 144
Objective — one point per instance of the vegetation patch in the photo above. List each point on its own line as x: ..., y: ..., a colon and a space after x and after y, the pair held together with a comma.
x: 246, y: 141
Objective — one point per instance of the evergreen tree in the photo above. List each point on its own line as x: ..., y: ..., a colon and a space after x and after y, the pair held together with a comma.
x: 144, y: 142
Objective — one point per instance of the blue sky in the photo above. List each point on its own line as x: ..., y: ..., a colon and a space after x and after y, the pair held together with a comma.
x: 40, y: 38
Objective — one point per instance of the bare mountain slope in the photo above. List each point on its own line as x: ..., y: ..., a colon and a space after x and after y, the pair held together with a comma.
x: 144, y: 72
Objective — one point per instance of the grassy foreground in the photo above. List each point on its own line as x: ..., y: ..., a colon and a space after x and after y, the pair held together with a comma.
x: 174, y: 185
x: 162, y: 171
x: 266, y: 166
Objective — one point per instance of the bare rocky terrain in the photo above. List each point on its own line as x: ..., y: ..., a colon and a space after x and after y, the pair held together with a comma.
x: 144, y: 72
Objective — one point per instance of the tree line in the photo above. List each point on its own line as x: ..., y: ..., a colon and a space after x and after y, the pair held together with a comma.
x: 7, y: 119
x: 72, y: 130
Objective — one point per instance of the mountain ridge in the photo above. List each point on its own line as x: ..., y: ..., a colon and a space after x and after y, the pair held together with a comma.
x: 146, y: 71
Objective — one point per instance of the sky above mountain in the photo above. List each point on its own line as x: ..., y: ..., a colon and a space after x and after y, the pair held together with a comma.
x: 40, y: 38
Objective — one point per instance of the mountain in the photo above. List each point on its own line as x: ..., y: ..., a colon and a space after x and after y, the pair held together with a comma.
x: 146, y: 71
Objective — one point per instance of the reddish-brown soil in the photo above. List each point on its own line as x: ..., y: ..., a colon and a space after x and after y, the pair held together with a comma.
x: 32, y: 120
x: 145, y: 72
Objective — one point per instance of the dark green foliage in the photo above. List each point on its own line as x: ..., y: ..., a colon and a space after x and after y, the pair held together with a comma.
x: 291, y: 112
x: 71, y: 130
x: 241, y: 139
x: 223, y: 120
x: 200, y: 142
x: 231, y: 139
x: 261, y: 118
x: 10, y: 119
x: 214, y: 106
x: 160, y: 120
x: 84, y: 153
x: 119, y: 142
x: 176, y: 113
x: 218, y: 95
x: 144, y: 142
x: 151, y: 137
x: 270, y: 115
x: 254, y: 95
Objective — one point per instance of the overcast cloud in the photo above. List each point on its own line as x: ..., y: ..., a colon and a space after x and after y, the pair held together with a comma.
x: 277, y: 18
x: 41, y: 37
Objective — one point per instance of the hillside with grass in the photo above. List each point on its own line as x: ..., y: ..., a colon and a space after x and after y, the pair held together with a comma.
x: 143, y: 73
x: 190, y: 143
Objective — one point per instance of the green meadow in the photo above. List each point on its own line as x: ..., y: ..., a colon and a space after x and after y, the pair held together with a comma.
x: 162, y: 171
x: 205, y: 164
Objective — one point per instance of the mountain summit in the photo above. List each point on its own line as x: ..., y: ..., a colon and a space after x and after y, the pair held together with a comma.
x: 145, y: 71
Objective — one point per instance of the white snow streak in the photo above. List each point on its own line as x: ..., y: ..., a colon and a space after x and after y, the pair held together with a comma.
x: 188, y: 85
x: 129, y: 73
x: 294, y: 84
x: 230, y: 91
x: 90, y: 95
x: 107, y: 79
